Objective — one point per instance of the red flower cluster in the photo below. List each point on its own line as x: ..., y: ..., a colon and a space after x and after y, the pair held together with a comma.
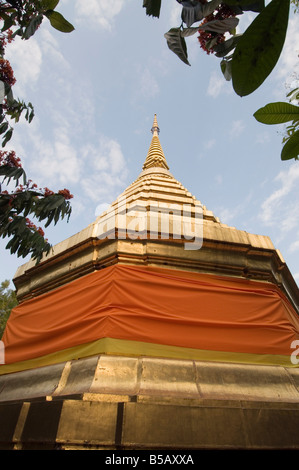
x: 31, y: 225
x: 221, y: 13
x: 5, y: 38
x: 48, y: 192
x: 6, y: 72
x: 10, y: 159
x: 31, y: 184
x: 65, y: 193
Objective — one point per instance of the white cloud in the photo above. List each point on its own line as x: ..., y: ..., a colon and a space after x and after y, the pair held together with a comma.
x: 53, y: 161
x: 175, y: 14
x: 227, y: 216
x: 294, y: 247
x: 148, y: 84
x: 280, y: 209
x: 286, y: 72
x: 263, y: 138
x: 26, y: 60
x: 288, y: 179
x: 50, y: 47
x: 98, y: 12
x: 53, y: 151
x: 105, y: 171
x: 219, y: 179
x: 95, y: 173
x: 102, y: 207
x: 210, y: 143
x: 288, y: 219
x: 147, y: 79
x: 236, y: 129
x: 288, y: 62
x: 216, y: 85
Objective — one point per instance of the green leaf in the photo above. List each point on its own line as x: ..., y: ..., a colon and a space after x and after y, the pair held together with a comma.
x: 49, y: 4
x: 15, y: 173
x: 52, y: 202
x: 226, y: 69
x: 277, y: 113
x: 152, y: 7
x: 220, y: 26
x: 59, y: 22
x: 192, y: 13
x: 225, y: 47
x: 7, y: 137
x: 291, y: 147
x: 293, y: 94
x: 31, y: 116
x: 259, y: 48
x: 186, y: 32
x: 2, y: 91
x: 209, y: 7
x: 13, y: 244
x: 211, y: 43
x: 3, y: 127
x: 177, y: 44
x: 9, y: 94
x: 247, y: 5
x: 32, y: 26
x: 8, y: 21
x: 26, y: 241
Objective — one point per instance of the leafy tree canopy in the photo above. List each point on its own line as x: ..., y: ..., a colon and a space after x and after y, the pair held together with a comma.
x: 23, y: 18
x: 246, y: 59
x: 8, y: 301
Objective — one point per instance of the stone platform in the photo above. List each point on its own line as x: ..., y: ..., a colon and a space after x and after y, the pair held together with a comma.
x: 132, y: 403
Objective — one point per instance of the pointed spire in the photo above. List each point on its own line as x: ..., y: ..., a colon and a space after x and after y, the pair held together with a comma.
x: 155, y: 129
x: 155, y: 156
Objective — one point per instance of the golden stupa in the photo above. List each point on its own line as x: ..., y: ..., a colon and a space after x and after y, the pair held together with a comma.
x: 156, y: 327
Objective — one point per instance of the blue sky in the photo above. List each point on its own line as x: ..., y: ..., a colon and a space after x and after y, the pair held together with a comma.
x: 95, y: 93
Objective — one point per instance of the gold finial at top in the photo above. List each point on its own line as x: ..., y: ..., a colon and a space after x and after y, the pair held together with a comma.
x: 155, y: 156
x: 155, y: 129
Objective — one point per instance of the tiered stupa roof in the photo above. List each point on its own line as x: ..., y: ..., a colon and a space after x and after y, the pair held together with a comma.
x: 136, y: 333
x: 225, y: 249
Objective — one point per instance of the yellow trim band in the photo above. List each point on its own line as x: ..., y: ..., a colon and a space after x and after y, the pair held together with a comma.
x: 137, y: 348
